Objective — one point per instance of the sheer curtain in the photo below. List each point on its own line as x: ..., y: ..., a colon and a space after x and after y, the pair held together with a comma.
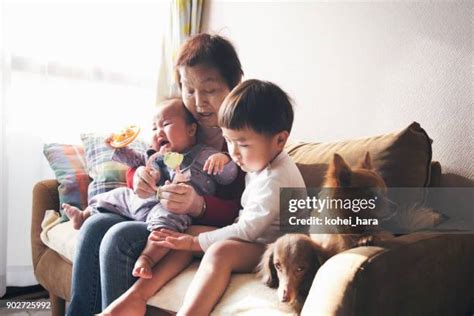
x: 185, y: 21
x: 3, y: 205
x: 67, y: 68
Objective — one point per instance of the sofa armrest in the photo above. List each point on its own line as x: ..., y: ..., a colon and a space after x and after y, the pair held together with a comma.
x: 416, y: 274
x: 45, y: 197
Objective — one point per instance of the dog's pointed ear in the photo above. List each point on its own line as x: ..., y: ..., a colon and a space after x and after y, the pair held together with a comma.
x: 267, y: 270
x: 340, y: 171
x: 366, y: 163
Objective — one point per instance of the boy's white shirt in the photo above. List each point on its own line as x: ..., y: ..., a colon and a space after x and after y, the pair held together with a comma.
x: 259, y: 220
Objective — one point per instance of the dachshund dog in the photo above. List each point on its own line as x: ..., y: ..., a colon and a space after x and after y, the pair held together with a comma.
x: 290, y: 264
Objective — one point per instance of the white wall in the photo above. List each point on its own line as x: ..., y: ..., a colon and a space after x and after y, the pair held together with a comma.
x: 363, y: 68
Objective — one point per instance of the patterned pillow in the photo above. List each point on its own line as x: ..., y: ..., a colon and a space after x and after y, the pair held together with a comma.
x: 69, y: 166
x: 106, y: 174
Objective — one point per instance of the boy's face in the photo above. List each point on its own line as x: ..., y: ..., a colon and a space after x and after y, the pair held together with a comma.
x: 252, y: 151
x: 170, y: 130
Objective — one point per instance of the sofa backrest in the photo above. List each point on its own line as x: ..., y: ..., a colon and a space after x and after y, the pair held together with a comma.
x: 403, y: 158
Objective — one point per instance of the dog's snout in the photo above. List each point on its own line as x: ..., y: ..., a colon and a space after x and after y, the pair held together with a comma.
x: 284, y: 294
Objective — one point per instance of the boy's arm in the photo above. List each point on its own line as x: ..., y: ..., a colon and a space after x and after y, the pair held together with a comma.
x: 254, y: 220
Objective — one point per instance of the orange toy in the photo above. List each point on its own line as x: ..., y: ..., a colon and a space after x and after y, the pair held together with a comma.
x: 125, y: 137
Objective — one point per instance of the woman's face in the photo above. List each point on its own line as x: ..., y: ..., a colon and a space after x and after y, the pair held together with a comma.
x: 203, y: 89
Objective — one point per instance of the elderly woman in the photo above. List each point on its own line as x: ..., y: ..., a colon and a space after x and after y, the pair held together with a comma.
x: 207, y: 69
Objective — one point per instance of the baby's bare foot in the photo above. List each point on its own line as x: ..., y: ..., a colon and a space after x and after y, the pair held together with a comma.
x: 142, y: 268
x: 129, y: 304
x: 76, y: 215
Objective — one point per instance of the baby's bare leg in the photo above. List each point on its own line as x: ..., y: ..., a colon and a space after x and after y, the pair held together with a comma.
x: 76, y: 215
x: 148, y: 259
x: 213, y: 275
x: 133, y: 301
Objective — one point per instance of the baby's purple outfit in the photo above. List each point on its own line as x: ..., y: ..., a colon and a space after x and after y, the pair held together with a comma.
x: 125, y: 202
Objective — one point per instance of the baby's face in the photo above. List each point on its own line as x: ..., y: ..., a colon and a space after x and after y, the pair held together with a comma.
x: 171, y: 132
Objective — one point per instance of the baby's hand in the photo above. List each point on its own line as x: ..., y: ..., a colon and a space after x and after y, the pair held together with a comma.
x: 149, y: 167
x: 109, y: 139
x: 151, y: 160
x: 215, y: 163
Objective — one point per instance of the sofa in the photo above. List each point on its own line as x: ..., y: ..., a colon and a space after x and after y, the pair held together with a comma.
x: 426, y: 272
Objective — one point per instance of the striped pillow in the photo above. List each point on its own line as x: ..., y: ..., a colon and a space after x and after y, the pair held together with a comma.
x: 106, y: 174
x: 69, y: 167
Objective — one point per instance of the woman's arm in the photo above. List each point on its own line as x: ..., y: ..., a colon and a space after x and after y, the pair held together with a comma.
x: 222, y: 208
x: 218, y: 212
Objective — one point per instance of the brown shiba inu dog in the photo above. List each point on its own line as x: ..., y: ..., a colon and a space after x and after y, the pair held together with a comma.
x: 361, y: 182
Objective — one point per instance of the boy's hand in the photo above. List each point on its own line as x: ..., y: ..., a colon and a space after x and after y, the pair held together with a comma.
x: 215, y: 163
x: 174, y: 240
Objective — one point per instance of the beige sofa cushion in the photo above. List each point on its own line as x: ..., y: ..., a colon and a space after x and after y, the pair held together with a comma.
x: 403, y: 157
x: 246, y: 295
x: 60, y: 237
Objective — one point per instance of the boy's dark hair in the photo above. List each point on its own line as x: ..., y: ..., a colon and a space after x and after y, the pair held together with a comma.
x: 213, y: 51
x: 259, y: 105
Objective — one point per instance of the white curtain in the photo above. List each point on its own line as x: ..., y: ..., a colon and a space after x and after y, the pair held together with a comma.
x: 3, y: 204
x: 185, y: 21
x: 75, y: 67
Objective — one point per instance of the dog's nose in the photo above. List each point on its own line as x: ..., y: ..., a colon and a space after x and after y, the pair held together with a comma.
x: 285, y: 297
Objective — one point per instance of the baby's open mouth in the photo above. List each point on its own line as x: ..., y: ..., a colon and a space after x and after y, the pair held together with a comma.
x: 162, y: 143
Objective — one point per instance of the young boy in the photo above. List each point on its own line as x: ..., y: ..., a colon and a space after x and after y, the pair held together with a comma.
x: 256, y: 119
x: 174, y: 130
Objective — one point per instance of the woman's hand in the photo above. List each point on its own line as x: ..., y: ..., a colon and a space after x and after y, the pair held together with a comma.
x: 181, y: 198
x: 174, y: 240
x: 144, y: 182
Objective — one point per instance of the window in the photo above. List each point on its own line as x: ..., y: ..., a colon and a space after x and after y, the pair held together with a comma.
x: 70, y: 68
